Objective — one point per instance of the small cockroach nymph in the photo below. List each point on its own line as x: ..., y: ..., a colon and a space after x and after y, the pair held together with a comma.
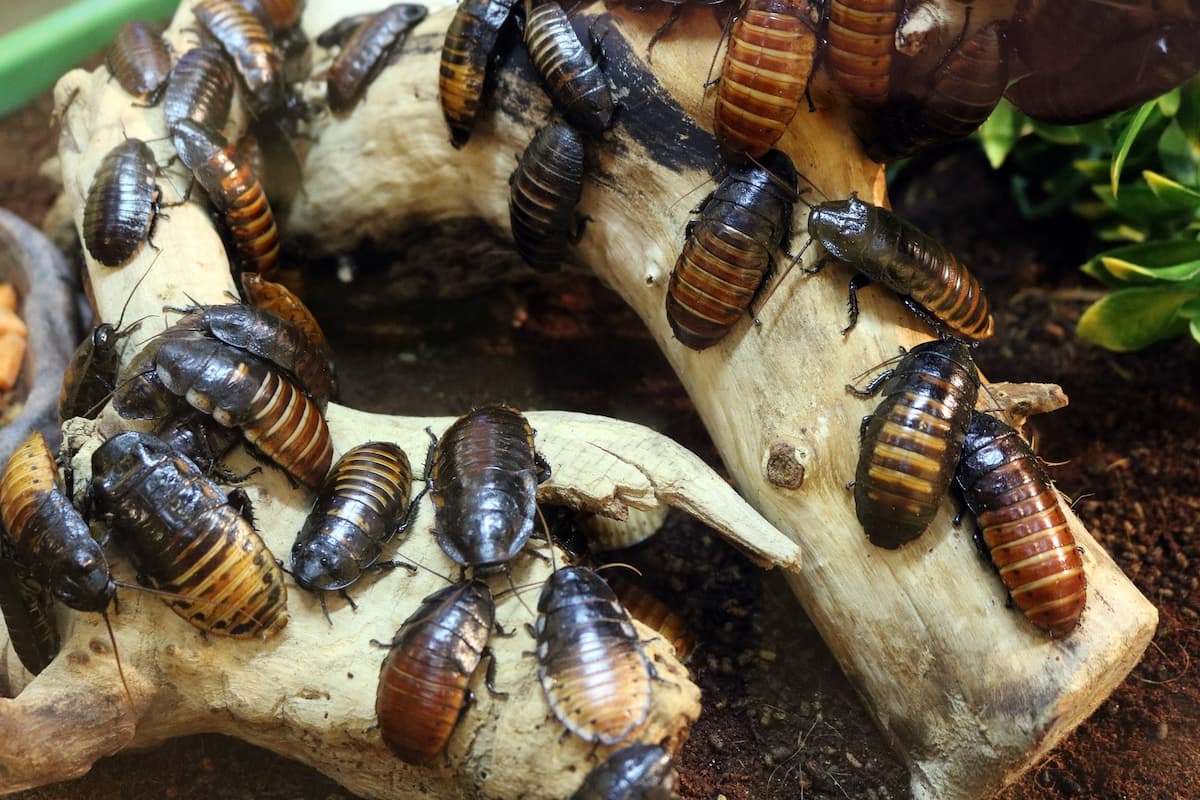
x: 366, y: 52
x: 139, y: 60
x: 122, y: 203
x: 543, y: 192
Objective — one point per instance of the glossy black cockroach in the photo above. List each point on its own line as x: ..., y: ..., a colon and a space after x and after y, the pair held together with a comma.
x: 729, y: 252
x: 91, y: 373
x: 139, y: 60
x: 591, y: 664
x: 363, y: 503
x: 122, y: 203
x: 235, y: 191
x: 575, y: 82
x: 542, y: 194
x: 200, y: 89
x: 1022, y: 525
x: 186, y: 539
x: 884, y: 247
x: 277, y: 299
x: 912, y: 441
x: 466, y: 54
x: 637, y: 772
x: 249, y: 44
x: 337, y: 33
x: 28, y: 610
x: 198, y: 437
x: 483, y: 483
x: 366, y: 52
x: 860, y: 45
x: 772, y: 49
x: 424, y: 678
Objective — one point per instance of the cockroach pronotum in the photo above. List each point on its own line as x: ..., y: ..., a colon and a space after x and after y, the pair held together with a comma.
x: 366, y: 52
x: 248, y: 43
x: 466, y: 54
x: 652, y: 612
x: 542, y: 194
x: 483, y: 483
x: 424, y: 678
x: 770, y: 57
x: 139, y: 60
x: 1022, y: 525
x: 234, y: 190
x: 574, y: 80
x: 637, y: 772
x: 122, y: 203
x: 200, y: 89
x: 28, y: 611
x: 911, y: 442
x: 277, y: 299
x: 186, y: 539
x: 593, y: 670
x: 729, y: 250
x: 860, y: 43
x: 883, y: 247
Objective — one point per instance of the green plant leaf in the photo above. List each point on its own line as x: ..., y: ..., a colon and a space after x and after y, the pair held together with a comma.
x: 1125, y: 142
x: 1179, y: 154
x: 1130, y: 319
x: 1094, y: 169
x: 1139, y: 205
x: 1171, y: 192
x: 1188, y: 115
x: 1168, y: 103
x: 1172, y: 261
x: 1000, y: 131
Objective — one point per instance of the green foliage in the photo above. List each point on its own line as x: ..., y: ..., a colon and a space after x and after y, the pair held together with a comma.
x: 1136, y: 177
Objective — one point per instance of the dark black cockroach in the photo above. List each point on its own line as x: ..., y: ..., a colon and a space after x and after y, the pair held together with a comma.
x: 337, y: 33
x: 653, y: 613
x: 277, y: 299
x: 912, y: 441
x: 366, y: 52
x: 235, y: 191
x: 637, y: 772
x: 729, y: 252
x: 1022, y: 525
x: 139, y: 60
x: 423, y: 682
x: 91, y: 374
x: 593, y: 670
x: 122, y: 203
x: 860, y: 45
x: 200, y: 89
x: 542, y: 194
x: 571, y: 76
x: 466, y: 54
x: 186, y: 539
x: 484, y: 486
x: 28, y: 610
x: 363, y: 503
x: 885, y: 248
x: 139, y: 393
x: 248, y: 43
x: 197, y: 436
x: 772, y: 48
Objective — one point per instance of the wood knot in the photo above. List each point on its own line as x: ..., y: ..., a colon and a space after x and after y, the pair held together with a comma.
x: 784, y: 468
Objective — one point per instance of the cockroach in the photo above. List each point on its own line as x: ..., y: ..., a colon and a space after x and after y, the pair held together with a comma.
x: 466, y: 54
x: 139, y: 60
x: 884, y: 247
x: 542, y: 194
x: 652, y: 612
x: 122, y: 203
x: 248, y: 43
x: 186, y: 539
x: 275, y: 15
x: 277, y: 299
x: 200, y: 89
x: 605, y: 533
x: 483, y: 483
x: 911, y: 442
x: 234, y: 190
x: 139, y: 394
x: 728, y: 254
x: 337, y: 33
x: 1022, y: 525
x: 363, y: 503
x: 424, y: 678
x: 860, y: 44
x: 768, y: 63
x: 575, y: 82
x: 637, y: 772
x: 366, y: 52
x: 197, y: 436
x: 282, y: 19
x: 28, y: 610
x: 91, y: 373
x: 591, y: 665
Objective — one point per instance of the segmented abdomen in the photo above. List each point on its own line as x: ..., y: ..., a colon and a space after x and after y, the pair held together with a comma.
x: 120, y: 203
x: 244, y: 38
x: 366, y: 51
x: 574, y: 81
x: 861, y: 40
x: 543, y: 192
x: 28, y: 615
x: 652, y: 612
x: 139, y: 59
x: 200, y: 89
x: 462, y: 73
x: 277, y: 299
x: 942, y: 285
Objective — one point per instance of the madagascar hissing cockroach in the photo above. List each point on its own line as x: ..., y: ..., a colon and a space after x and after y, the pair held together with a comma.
x: 636, y: 772
x: 768, y: 63
x: 248, y: 43
x: 28, y: 611
x: 200, y: 89
x: 337, y: 33
x: 483, y: 483
x: 275, y: 15
x: 729, y: 252
x: 652, y: 612
x: 860, y: 44
x: 886, y: 248
x: 235, y: 191
x: 591, y: 665
x: 466, y: 54
x: 122, y: 203
x: 277, y: 299
x: 186, y: 539
x: 91, y: 374
x: 366, y: 52
x: 542, y: 194
x: 911, y: 442
x: 575, y: 82
x: 197, y: 436
x: 139, y: 60
x: 1022, y: 525
x: 424, y: 678
x: 363, y: 503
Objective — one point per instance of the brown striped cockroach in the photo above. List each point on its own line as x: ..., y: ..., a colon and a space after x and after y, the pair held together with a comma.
x: 652, y: 612
x: 337, y: 33
x: 275, y: 15
x: 636, y: 772
x: 139, y: 60
x: 575, y: 82
x: 542, y: 194
x: 122, y: 203
x: 200, y: 89
x: 244, y: 38
x: 860, y: 45
x: 366, y: 51
x: 277, y: 299
x: 466, y: 54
